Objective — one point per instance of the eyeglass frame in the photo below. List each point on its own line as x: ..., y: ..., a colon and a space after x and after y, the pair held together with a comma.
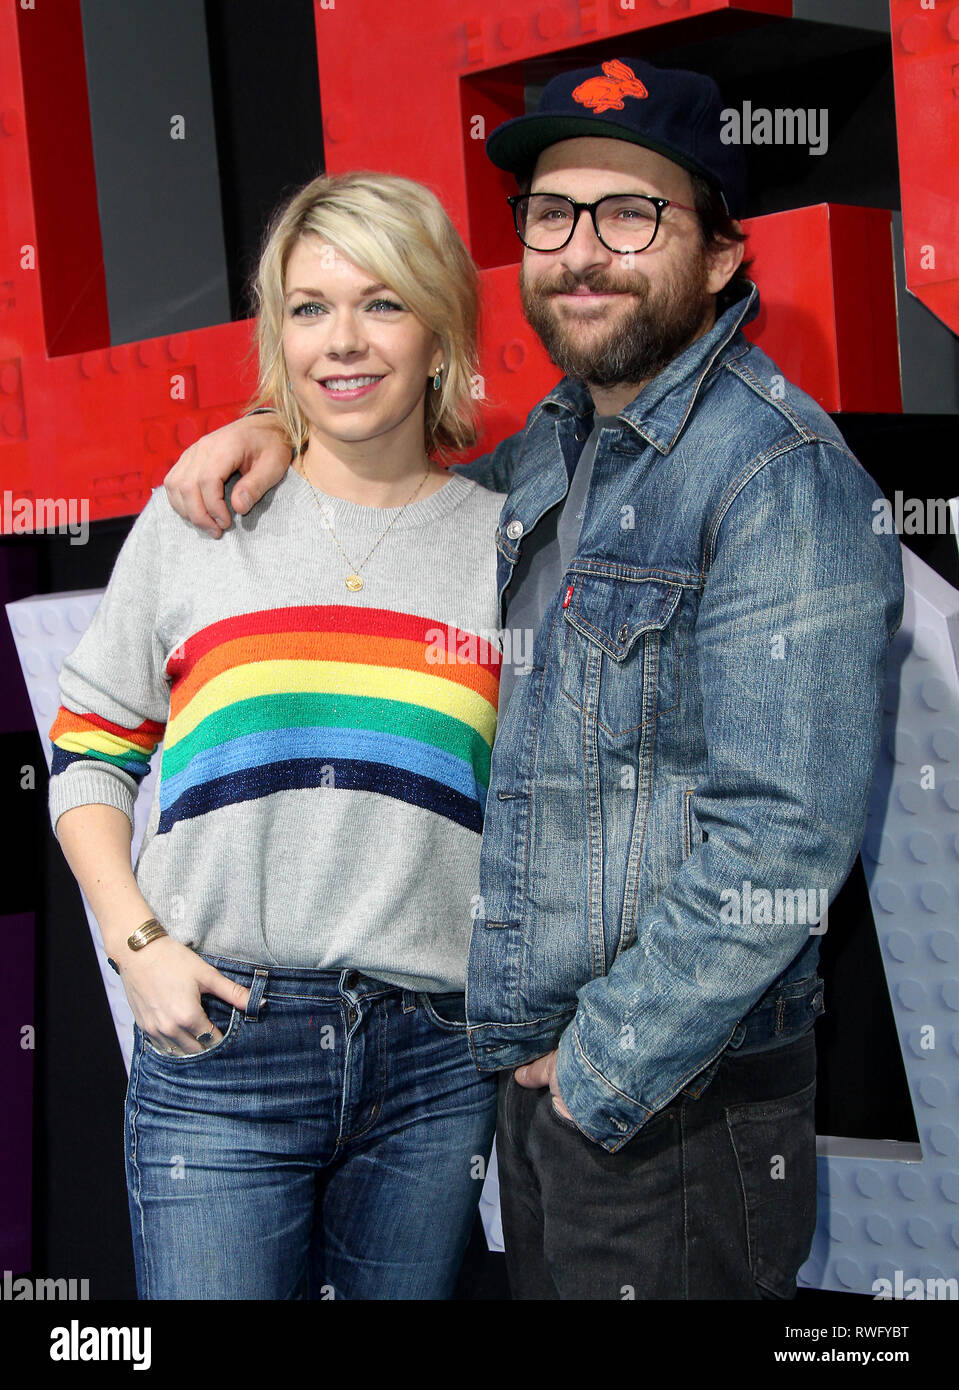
x: 514, y: 199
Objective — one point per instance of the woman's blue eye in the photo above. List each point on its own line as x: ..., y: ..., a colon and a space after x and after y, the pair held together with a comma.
x: 311, y: 309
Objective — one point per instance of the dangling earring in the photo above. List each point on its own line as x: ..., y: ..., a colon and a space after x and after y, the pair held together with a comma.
x: 438, y: 377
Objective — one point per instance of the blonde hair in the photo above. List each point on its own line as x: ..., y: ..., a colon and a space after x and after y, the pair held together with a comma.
x: 397, y: 231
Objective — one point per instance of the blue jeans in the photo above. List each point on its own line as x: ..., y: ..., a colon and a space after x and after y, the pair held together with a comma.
x: 332, y: 1145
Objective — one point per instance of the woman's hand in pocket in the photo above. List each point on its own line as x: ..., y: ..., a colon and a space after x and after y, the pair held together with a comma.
x: 164, y: 982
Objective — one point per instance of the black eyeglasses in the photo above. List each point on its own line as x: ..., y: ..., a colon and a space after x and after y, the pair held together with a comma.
x: 623, y: 222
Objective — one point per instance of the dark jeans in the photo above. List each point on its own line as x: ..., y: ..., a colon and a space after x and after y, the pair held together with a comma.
x: 713, y: 1198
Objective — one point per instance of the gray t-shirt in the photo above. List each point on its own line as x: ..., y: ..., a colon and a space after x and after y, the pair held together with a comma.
x: 544, y: 555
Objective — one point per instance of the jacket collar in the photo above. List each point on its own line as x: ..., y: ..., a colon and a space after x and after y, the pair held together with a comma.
x: 660, y: 411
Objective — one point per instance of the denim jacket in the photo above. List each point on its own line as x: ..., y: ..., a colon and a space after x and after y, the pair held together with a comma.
x: 693, y: 744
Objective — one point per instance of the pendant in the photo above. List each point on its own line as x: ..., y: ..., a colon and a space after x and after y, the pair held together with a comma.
x: 354, y: 582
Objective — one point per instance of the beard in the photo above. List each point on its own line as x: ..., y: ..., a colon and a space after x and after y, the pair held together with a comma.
x: 639, y: 343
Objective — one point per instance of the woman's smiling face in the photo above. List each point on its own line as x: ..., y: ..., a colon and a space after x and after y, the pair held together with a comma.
x: 358, y: 360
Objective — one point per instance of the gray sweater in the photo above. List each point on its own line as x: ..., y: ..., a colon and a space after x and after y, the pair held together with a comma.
x: 325, y: 752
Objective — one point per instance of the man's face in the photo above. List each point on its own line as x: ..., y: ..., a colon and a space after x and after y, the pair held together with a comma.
x: 606, y: 318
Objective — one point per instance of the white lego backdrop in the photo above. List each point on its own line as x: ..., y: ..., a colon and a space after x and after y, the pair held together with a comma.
x: 885, y: 1206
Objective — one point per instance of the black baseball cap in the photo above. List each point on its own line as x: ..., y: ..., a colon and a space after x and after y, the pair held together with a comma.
x: 674, y: 112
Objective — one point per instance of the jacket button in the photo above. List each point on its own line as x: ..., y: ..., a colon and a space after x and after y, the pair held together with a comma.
x: 623, y: 632
x: 514, y: 530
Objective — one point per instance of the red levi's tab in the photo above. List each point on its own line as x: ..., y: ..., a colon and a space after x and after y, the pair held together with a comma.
x: 569, y: 595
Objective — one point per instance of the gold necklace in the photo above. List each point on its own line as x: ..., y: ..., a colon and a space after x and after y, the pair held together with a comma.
x: 353, y: 580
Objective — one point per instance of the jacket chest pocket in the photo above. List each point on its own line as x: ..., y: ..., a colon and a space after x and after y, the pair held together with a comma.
x: 620, y: 659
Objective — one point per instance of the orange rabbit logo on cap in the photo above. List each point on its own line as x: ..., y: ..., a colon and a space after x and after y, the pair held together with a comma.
x: 606, y: 93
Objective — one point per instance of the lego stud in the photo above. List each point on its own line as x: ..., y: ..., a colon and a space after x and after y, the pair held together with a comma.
x: 155, y: 437
x: 888, y: 896
x: 849, y: 1273
x: 911, y: 1185
x: 944, y: 945
x: 914, y: 34
x: 514, y: 355
x: 868, y: 1182
x: 878, y: 1229
x: 900, y: 946
x: 588, y: 18
x: 336, y: 127
x: 475, y: 48
x: 186, y: 433
x: 933, y: 1092
x: 933, y: 897
x: 549, y: 23
x: 921, y: 1232
x: 511, y: 32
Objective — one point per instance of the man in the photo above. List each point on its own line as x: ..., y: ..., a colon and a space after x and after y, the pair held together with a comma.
x: 680, y: 777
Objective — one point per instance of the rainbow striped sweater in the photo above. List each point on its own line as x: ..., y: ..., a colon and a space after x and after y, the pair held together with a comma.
x: 325, y: 754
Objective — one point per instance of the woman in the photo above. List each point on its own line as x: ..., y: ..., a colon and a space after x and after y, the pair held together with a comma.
x: 303, y: 1114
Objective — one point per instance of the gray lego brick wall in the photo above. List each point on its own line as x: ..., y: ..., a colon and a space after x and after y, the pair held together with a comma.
x: 928, y: 351
x: 858, y: 14
x: 157, y: 177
